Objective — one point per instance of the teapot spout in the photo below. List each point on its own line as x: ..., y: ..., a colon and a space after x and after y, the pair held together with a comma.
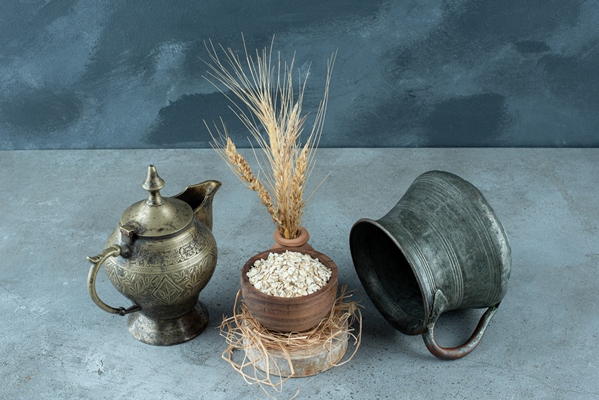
x: 199, y: 197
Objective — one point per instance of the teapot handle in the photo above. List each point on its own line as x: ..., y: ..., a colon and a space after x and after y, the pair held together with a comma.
x: 453, y: 353
x: 113, y: 251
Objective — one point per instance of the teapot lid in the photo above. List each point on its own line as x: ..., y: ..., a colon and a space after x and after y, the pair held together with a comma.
x: 156, y: 216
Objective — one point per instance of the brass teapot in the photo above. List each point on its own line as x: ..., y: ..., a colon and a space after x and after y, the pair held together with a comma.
x: 160, y: 257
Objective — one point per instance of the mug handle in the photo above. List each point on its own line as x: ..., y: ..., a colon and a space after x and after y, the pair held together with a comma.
x: 453, y: 353
x: 113, y: 251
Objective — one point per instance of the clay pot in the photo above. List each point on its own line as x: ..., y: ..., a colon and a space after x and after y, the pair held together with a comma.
x: 300, y: 242
x: 290, y: 314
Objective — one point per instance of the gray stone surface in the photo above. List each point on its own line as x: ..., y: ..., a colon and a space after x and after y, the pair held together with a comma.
x: 127, y: 74
x: 60, y: 206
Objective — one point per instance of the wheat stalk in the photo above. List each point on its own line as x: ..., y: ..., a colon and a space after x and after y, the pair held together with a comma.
x: 241, y: 168
x: 276, y: 124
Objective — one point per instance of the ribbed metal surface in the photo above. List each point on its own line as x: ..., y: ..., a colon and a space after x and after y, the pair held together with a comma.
x: 450, y: 240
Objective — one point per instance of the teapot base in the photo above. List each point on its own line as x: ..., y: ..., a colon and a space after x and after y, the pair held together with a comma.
x: 166, y: 332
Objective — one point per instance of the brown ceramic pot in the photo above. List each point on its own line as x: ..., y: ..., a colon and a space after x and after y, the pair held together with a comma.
x: 300, y: 242
x: 290, y: 314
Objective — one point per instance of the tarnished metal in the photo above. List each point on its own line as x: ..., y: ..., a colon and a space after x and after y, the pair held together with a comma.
x: 440, y: 248
x: 160, y: 257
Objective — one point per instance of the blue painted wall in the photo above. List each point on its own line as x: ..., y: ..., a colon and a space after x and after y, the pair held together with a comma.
x: 128, y: 74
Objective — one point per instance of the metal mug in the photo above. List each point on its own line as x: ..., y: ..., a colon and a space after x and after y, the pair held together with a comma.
x: 440, y: 248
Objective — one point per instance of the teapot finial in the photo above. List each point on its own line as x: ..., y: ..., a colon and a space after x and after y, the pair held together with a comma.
x: 153, y: 184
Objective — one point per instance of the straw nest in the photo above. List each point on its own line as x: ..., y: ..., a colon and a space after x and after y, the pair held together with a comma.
x: 251, y: 346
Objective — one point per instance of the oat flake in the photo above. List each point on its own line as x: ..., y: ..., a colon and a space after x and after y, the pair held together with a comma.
x: 289, y: 274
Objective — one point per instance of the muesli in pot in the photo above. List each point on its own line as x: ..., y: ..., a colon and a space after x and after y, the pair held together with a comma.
x: 276, y: 126
x: 290, y: 287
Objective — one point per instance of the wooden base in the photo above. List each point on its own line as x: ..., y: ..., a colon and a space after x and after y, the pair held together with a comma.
x: 306, y: 362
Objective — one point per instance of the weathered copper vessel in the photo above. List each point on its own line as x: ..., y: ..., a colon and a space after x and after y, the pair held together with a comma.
x: 160, y: 257
x: 440, y: 248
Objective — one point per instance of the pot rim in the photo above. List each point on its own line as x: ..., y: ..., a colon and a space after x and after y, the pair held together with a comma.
x: 426, y: 291
x: 323, y: 258
x: 299, y: 241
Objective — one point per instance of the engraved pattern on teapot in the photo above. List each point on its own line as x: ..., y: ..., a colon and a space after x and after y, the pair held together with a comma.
x: 190, y: 269
x: 169, y: 289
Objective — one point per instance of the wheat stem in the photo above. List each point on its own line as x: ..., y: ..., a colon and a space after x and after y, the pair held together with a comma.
x: 276, y: 124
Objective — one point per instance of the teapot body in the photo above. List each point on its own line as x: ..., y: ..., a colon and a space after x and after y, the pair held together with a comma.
x: 164, y: 275
x: 161, y: 256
